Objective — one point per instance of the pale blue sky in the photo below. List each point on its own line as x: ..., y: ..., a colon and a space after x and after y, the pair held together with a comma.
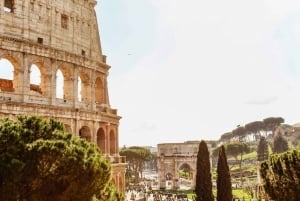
x: 194, y: 69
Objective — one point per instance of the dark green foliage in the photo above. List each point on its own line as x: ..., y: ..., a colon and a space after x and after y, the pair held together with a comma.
x: 281, y: 176
x: 272, y: 122
x: 224, y: 191
x: 237, y: 149
x: 239, y: 132
x: 203, y: 187
x: 40, y: 162
x: 262, y: 149
x: 280, y: 144
x: 256, y: 128
x: 226, y: 136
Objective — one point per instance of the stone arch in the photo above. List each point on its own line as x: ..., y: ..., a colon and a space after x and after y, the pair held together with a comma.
x: 7, y: 77
x: 187, y: 168
x: 35, y: 79
x: 39, y: 79
x: 79, y: 85
x: 101, y: 140
x: 99, y: 94
x: 68, y: 128
x: 59, y: 84
x: 113, y: 180
x: 112, y: 142
x: 85, y: 132
x: 84, y: 87
x: 67, y: 83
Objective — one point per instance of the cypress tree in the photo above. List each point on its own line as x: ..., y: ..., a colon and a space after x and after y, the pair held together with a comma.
x: 262, y: 149
x: 224, y: 191
x: 280, y: 144
x: 203, y: 188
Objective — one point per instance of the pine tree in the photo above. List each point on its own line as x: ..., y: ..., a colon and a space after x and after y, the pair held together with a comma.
x: 262, y: 149
x: 224, y: 191
x: 280, y: 144
x: 203, y: 188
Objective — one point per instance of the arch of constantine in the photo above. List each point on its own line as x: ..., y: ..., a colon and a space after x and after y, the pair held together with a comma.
x: 176, y: 157
x: 51, y: 64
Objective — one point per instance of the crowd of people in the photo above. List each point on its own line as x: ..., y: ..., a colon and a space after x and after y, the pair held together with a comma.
x: 140, y: 194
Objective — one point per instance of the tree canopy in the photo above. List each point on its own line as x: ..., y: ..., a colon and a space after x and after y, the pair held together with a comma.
x: 136, y: 157
x: 237, y: 149
x: 39, y: 161
x: 280, y: 144
x: 254, y: 129
x: 262, y: 149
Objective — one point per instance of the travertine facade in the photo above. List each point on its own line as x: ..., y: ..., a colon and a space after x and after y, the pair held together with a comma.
x: 172, y: 157
x: 51, y: 64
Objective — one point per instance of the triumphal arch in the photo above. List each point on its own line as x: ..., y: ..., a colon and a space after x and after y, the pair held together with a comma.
x: 51, y: 64
x: 177, y: 164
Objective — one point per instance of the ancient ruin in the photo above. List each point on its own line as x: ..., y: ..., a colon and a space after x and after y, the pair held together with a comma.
x: 51, y: 64
x: 173, y: 158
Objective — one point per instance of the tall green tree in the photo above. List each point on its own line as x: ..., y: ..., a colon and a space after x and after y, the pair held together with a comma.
x: 239, y: 132
x: 262, y: 149
x: 280, y: 144
x: 39, y: 161
x: 281, y: 176
x: 224, y: 189
x: 136, y: 157
x: 237, y: 150
x: 271, y: 123
x: 203, y: 187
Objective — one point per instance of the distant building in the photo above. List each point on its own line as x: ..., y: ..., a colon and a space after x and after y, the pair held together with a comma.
x: 51, y: 51
x: 172, y: 157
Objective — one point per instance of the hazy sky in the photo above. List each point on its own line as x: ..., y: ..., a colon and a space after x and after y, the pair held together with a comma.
x: 195, y: 69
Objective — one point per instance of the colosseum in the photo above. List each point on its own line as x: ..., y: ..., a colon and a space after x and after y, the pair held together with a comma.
x: 52, y: 65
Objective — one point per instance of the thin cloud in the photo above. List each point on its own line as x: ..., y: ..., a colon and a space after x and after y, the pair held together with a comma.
x: 211, y: 65
x: 267, y: 101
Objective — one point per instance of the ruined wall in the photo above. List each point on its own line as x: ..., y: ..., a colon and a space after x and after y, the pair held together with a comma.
x: 61, y: 40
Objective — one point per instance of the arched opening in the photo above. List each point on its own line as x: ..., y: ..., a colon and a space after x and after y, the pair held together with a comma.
x: 99, y: 98
x: 84, y: 88
x: 185, y: 176
x: 8, y: 6
x: 68, y: 128
x: 101, y: 140
x: 59, y: 84
x: 35, y: 79
x: 64, y: 84
x: 6, y: 76
x: 113, y: 181
x: 85, y: 133
x: 79, y: 89
x: 112, y: 142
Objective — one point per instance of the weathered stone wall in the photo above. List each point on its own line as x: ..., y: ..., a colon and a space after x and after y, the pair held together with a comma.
x: 59, y: 36
x: 68, y: 25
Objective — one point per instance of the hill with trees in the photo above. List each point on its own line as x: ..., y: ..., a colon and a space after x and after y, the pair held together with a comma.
x: 265, y: 139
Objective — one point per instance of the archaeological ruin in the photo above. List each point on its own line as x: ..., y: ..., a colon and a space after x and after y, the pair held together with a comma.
x: 52, y: 65
x: 177, y: 164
